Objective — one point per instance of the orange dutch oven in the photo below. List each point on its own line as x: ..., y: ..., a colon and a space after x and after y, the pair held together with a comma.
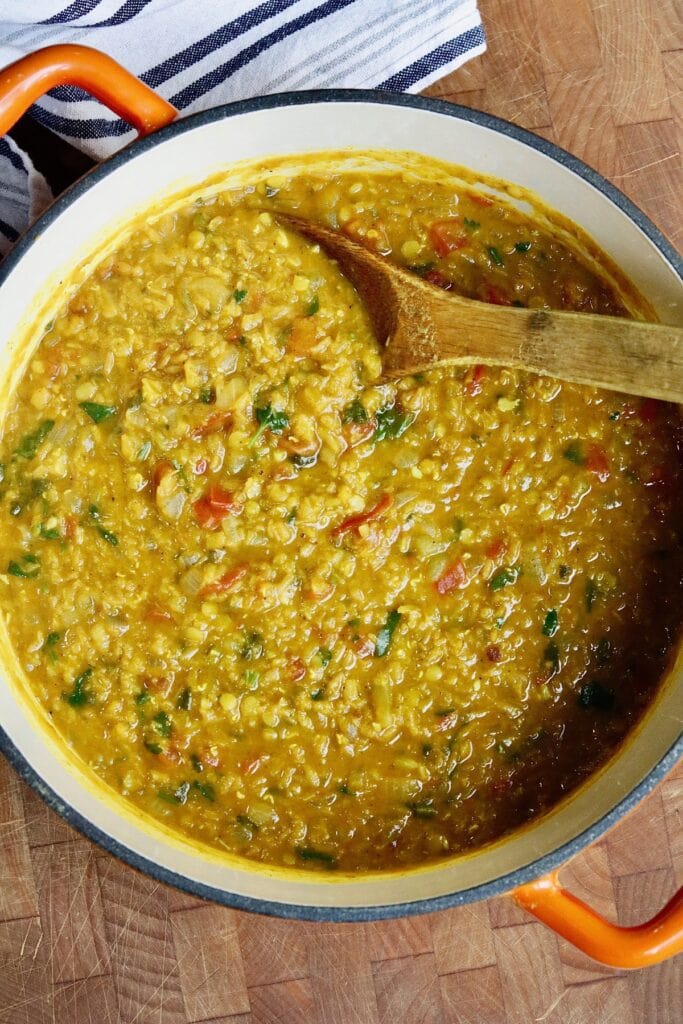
x: 171, y: 154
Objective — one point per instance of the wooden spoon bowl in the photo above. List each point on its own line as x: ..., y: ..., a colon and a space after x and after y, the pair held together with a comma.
x: 421, y: 326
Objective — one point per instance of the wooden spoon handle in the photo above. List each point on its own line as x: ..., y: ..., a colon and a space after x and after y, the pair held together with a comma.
x: 609, y: 352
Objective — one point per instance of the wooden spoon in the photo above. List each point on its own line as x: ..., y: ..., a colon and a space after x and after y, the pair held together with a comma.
x: 422, y: 326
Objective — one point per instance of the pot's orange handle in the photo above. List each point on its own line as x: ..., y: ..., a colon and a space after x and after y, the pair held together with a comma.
x: 67, y: 64
x: 640, y: 946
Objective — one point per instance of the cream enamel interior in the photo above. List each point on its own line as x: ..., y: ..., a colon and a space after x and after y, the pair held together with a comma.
x: 189, y: 158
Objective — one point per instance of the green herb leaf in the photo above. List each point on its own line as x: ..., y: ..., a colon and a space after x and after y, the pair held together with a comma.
x: 196, y: 763
x: 78, y: 695
x: 392, y: 423
x: 574, y: 452
x: 111, y: 538
x: 154, y: 748
x: 51, y: 534
x: 591, y: 594
x: 386, y: 633
x: 144, y: 451
x: 308, y: 853
x: 30, y: 444
x: 595, y: 695
x: 184, y: 701
x: 550, y: 623
x: 49, y: 644
x: 551, y: 656
x: 27, y: 568
x: 162, y: 724
x: 422, y: 269
x: 503, y: 578
x: 252, y: 648
x: 355, y: 412
x: 318, y: 694
x: 564, y: 572
x: 603, y: 650
x: 175, y: 796
x: 495, y: 255
x: 271, y: 419
x: 325, y: 655
x: 313, y: 306
x: 205, y: 789
x: 473, y: 225
x: 142, y: 697
x: 422, y: 810
x: 207, y: 395
x: 251, y: 679
x: 303, y: 461
x: 98, y: 412
x: 522, y: 246
x: 458, y: 527
x: 239, y: 295
x: 107, y: 535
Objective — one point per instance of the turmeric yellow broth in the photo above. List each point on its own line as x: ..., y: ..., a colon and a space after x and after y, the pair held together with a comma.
x: 304, y: 616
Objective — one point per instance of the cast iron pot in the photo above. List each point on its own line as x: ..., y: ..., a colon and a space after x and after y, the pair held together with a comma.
x: 190, y: 150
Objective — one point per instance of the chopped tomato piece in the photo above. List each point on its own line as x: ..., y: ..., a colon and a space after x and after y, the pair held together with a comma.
x: 210, y: 756
x: 212, y: 508
x: 294, y: 446
x: 172, y: 754
x: 157, y: 613
x: 320, y: 592
x: 252, y: 764
x: 473, y: 381
x: 303, y: 336
x: 373, y: 236
x: 508, y: 466
x: 297, y: 669
x: 364, y: 646
x: 488, y: 292
x: 496, y: 548
x: 453, y: 578
x: 70, y: 523
x: 225, y: 582
x: 353, y: 522
x: 440, y: 280
x: 356, y: 433
x: 158, y: 684
x: 650, y: 410
x: 479, y: 199
x: 658, y: 475
x: 161, y: 470
x: 596, y: 462
x: 448, y: 721
x: 447, y: 236
x: 493, y: 653
x: 219, y: 421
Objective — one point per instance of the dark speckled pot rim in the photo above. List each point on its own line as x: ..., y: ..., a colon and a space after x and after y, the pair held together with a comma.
x: 497, y: 886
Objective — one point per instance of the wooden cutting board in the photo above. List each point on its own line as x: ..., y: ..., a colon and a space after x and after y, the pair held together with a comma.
x: 86, y: 940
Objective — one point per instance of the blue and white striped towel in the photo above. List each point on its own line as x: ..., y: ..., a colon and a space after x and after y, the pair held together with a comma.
x: 200, y: 54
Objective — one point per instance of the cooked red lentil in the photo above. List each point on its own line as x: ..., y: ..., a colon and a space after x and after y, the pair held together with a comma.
x: 305, y: 616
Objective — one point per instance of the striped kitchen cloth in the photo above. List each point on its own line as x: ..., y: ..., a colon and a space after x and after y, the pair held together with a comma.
x: 200, y: 53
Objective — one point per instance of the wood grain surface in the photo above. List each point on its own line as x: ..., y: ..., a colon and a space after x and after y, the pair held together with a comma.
x: 86, y: 940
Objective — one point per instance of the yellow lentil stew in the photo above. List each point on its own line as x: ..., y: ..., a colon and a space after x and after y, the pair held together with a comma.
x: 305, y: 616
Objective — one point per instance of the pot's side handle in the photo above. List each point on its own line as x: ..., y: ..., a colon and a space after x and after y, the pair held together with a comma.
x: 23, y: 82
x: 639, y: 946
